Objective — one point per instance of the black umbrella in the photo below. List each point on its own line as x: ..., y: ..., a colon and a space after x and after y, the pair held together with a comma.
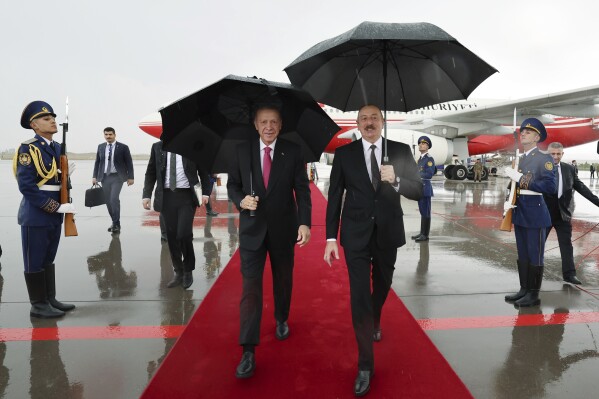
x: 399, y: 67
x: 207, y: 125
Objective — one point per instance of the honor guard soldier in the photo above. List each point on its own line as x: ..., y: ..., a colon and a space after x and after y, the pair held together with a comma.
x: 427, y: 169
x: 535, y: 176
x: 40, y: 214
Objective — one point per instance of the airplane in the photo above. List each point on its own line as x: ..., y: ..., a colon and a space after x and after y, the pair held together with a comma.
x: 465, y: 128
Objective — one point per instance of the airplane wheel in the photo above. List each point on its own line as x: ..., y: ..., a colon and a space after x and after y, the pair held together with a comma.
x: 447, y: 172
x: 459, y: 172
x: 485, y: 175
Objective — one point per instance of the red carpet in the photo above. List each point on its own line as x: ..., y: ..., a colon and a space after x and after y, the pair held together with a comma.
x: 319, y: 358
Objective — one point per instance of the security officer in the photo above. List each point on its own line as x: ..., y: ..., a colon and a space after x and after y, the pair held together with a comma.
x: 426, y: 166
x: 535, y: 176
x: 36, y: 167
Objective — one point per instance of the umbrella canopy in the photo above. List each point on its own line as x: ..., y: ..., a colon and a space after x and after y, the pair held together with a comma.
x: 395, y: 66
x: 207, y: 125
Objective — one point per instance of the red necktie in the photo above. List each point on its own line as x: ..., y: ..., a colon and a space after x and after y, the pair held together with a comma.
x: 266, y: 164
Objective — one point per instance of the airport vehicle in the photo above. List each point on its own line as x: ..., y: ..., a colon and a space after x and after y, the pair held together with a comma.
x: 465, y: 128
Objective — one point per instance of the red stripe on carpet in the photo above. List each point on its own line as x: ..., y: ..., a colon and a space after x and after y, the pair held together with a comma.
x: 174, y: 331
x: 509, y: 321
x: 318, y: 360
x: 94, y: 332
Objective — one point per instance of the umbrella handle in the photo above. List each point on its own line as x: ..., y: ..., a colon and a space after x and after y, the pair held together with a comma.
x: 253, y: 212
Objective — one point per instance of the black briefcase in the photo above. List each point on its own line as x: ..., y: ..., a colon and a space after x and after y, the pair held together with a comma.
x: 94, y: 196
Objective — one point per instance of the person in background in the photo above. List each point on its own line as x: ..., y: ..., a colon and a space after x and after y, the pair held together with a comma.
x: 592, y: 170
x: 175, y: 177
x: 478, y: 171
x: 561, y: 207
x: 535, y: 177
x: 36, y: 166
x: 575, y: 166
x: 427, y: 169
x: 365, y: 200
x: 209, y: 210
x: 113, y: 167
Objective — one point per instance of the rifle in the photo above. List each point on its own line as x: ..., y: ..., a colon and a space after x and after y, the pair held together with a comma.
x: 506, y: 223
x: 70, y: 229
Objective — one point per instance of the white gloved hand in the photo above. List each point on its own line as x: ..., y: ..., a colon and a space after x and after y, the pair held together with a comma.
x: 72, y: 167
x: 66, y: 208
x: 512, y: 174
x: 507, y: 205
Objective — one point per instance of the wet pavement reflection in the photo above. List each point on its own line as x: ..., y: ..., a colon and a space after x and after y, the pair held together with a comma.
x: 454, y: 284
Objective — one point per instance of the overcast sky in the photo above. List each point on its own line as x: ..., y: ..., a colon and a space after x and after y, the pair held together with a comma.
x: 121, y: 60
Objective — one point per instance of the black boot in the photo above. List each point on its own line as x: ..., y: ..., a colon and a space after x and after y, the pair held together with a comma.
x: 422, y: 225
x: 51, y: 290
x: 426, y: 228
x: 40, y: 307
x: 177, y: 278
x: 523, y: 275
x: 535, y: 278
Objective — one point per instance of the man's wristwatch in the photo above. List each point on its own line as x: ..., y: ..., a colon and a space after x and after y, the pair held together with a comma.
x: 396, y: 181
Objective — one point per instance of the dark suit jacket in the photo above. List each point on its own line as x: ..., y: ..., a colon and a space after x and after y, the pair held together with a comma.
x: 363, y: 207
x: 283, y: 207
x: 564, y: 206
x: 122, y: 161
x: 156, y: 172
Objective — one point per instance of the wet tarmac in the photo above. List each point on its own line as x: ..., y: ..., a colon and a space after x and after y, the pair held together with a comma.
x: 454, y: 285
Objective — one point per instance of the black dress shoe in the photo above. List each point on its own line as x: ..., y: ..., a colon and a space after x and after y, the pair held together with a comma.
x: 378, y: 335
x: 246, y: 366
x: 187, y: 280
x: 116, y: 229
x: 421, y: 238
x: 211, y: 213
x: 176, y: 280
x: 110, y: 229
x: 362, y: 384
x: 282, y: 331
x: 416, y: 236
x: 572, y: 280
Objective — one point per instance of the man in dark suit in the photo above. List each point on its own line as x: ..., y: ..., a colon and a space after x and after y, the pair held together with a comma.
x: 561, y: 206
x: 175, y: 178
x: 269, y: 185
x: 371, y: 225
x: 113, y: 167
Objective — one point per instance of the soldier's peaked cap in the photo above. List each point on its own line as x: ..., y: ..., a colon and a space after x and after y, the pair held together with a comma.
x: 35, y: 109
x: 536, y: 125
x: 426, y: 140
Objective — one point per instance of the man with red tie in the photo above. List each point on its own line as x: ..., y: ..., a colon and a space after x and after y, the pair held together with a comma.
x: 268, y: 183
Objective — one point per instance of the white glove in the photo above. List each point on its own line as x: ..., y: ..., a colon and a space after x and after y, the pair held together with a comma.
x: 512, y: 174
x: 66, y: 208
x: 507, y: 205
x: 72, y: 168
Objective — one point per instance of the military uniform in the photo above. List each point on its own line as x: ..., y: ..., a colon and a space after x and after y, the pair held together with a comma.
x: 36, y: 167
x: 427, y: 169
x: 531, y: 217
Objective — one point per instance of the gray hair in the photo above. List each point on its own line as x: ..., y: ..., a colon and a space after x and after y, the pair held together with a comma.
x: 557, y: 145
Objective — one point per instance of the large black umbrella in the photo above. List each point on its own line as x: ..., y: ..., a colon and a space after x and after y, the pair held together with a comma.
x: 207, y: 125
x: 399, y: 67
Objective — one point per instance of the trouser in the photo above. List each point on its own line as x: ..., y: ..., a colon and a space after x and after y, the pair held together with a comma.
x: 367, y: 305
x: 252, y: 272
x: 40, y: 244
x: 424, y: 206
x: 112, y: 186
x: 531, y: 244
x: 477, y: 176
x: 178, y: 211
x: 564, y: 238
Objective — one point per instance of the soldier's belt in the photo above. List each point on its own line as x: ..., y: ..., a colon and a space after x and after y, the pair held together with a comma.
x: 527, y: 192
x: 49, y: 187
